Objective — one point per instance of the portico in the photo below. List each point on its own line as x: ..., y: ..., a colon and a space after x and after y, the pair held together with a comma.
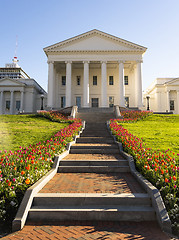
x: 94, y: 69
x: 20, y: 95
x: 163, y: 95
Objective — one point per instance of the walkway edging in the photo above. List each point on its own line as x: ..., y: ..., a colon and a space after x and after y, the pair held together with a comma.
x: 21, y: 216
x: 157, y: 201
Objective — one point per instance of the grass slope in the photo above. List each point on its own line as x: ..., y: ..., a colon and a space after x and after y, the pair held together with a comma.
x: 23, y: 130
x: 157, y: 131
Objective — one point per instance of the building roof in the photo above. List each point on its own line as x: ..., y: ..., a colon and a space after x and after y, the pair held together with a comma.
x: 9, y: 82
x: 159, y: 82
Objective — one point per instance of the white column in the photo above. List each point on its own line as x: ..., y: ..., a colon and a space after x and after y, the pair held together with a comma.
x: 12, y: 103
x: 168, y: 101
x: 104, y: 102
x: 22, y: 101
x: 1, y: 104
x: 138, y: 84
x: 86, y: 85
x: 121, y: 84
x: 177, y: 102
x: 51, y: 87
x: 68, y: 83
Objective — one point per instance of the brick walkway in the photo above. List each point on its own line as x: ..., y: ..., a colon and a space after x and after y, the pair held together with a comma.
x: 90, y: 231
x: 93, y: 183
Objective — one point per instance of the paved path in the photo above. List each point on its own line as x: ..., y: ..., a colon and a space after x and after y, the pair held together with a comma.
x: 90, y: 231
x: 91, y: 183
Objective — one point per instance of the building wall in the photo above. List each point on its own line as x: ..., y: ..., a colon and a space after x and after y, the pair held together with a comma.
x: 31, y: 101
x: 95, y: 91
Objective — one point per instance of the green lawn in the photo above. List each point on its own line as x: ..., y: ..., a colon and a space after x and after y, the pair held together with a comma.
x: 23, y: 130
x: 158, y: 131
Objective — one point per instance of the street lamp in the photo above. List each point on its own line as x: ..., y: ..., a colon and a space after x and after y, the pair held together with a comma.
x: 148, y: 103
x: 42, y: 104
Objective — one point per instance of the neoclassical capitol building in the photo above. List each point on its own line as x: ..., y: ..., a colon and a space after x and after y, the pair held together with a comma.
x: 94, y: 69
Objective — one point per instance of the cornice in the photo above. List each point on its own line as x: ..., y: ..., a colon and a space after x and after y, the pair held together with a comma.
x: 96, y: 51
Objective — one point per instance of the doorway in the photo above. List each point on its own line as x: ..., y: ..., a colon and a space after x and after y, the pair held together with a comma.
x: 78, y: 102
x: 94, y: 102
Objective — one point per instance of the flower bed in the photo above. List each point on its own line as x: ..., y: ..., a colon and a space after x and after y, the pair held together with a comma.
x: 159, y: 167
x: 22, y: 168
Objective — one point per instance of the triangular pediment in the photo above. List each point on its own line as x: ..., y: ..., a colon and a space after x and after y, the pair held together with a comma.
x: 10, y: 82
x: 95, y: 40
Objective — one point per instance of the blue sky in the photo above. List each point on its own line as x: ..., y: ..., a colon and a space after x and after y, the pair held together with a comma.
x: 40, y: 23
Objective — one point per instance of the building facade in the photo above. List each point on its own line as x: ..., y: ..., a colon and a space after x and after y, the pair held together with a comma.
x: 94, y: 69
x: 19, y: 93
x: 162, y: 95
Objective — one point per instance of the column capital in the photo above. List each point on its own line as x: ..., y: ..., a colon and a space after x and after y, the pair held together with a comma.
x: 86, y: 62
x: 50, y: 62
x: 68, y: 62
x: 139, y: 61
x: 12, y: 91
x: 121, y: 61
x: 103, y: 61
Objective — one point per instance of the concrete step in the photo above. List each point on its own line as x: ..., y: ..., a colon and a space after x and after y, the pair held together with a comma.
x: 96, y: 134
x: 95, y: 117
x: 82, y: 162
x: 93, y: 151
x: 103, y: 110
x: 93, y: 146
x: 92, y: 169
x: 94, y: 140
x: 109, y: 213
x: 90, y: 199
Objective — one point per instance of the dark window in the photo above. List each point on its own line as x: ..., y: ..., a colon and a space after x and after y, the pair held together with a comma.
x: 111, y: 80
x: 18, y: 104
x: 7, y: 105
x: 63, y: 80
x: 127, y: 101
x: 78, y: 80
x: 63, y: 102
x: 111, y: 101
x: 172, y: 106
x: 94, y: 80
x: 126, y: 81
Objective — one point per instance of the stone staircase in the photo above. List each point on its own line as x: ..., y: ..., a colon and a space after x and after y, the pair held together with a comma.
x: 94, y: 153
x: 82, y: 148
x: 95, y: 115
